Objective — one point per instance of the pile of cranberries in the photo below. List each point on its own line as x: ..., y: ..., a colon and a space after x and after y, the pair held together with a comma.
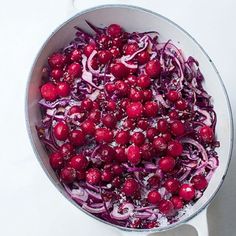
x: 112, y: 128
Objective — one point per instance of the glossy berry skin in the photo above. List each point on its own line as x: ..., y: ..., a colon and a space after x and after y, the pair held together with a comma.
x: 103, y: 135
x: 134, y: 109
x: 142, y: 124
x: 86, y: 104
x: 74, y: 70
x: 134, y: 154
x: 49, y: 92
x: 181, y: 105
x: 117, y: 169
x: 109, y: 121
x: 56, y: 74
x: 154, y: 197
x: 172, y: 185
x: 106, y: 153
x: 88, y: 127
x: 151, y: 133
x: 154, y: 181
x: 199, y: 182
x: 143, y: 57
x: 130, y: 187
x: 61, y: 131
x: 106, y: 176
x: 93, y: 176
x: 144, y: 81
x: 116, y: 182
x: 206, y: 134
x: 103, y: 41
x: 136, y: 95
x: 187, y: 192
x: 119, y: 70
x: 138, y: 138
x: 88, y: 49
x: 76, y: 55
x: 151, y: 109
x: 147, y: 151
x: 153, y: 68
x: 147, y: 95
x: 79, y: 162
x: 68, y: 175
x: 167, y: 163
x: 56, y: 160
x: 177, y: 202
x: 114, y: 30
x: 159, y: 144
x: 95, y: 116
x: 57, y: 60
x: 130, y: 48
x: 77, y: 137
x: 63, y: 89
x: 174, y: 115
x: 120, y: 155
x: 74, y: 109
x: 66, y: 150
x: 177, y: 128
x: 162, y: 125
x: 122, y: 88
x: 111, y: 105
x: 122, y: 137
x: 174, y: 148
x: 173, y: 95
x: 166, y: 207
x: 104, y: 56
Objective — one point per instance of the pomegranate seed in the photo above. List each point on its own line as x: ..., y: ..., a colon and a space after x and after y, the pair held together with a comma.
x: 130, y: 187
x: 66, y: 150
x: 74, y: 70
x: 104, y: 56
x: 159, y: 144
x: 103, y: 41
x: 166, y: 207
x: 206, y: 134
x: 95, y: 116
x: 56, y: 74
x: 167, y: 163
x: 114, y: 30
x: 131, y: 48
x: 106, y: 153
x: 49, y: 92
x: 117, y: 169
x: 134, y: 154
x: 119, y: 70
x: 143, y: 124
x: 147, y: 95
x: 174, y: 148
x: 143, y: 57
x: 162, y: 125
x: 63, y: 89
x: 154, y: 197
x: 122, y: 137
x: 68, y: 175
x: 88, y: 49
x: 110, y: 88
x: 77, y: 137
x: 93, y: 176
x: 115, y: 51
x: 74, y: 109
x: 106, y: 176
x: 76, y: 55
x: 134, y: 110
x: 172, y: 185
x: 116, y: 182
x: 88, y: 127
x: 79, y: 162
x: 187, y: 192
x: 153, y: 68
x: 151, y: 133
x: 151, y: 109
x: 138, y: 138
x: 167, y: 137
x: 86, y: 104
x: 61, y: 131
x: 177, y: 128
x: 135, y: 95
x: 109, y: 121
x: 132, y: 79
x: 56, y: 160
x: 121, y: 87
x: 173, y: 96
x: 57, y: 60
x: 144, y: 81
x: 103, y: 135
x: 174, y: 115
x: 199, y: 182
x: 177, y: 202
x: 154, y: 181
x: 111, y: 105
x: 120, y: 155
x: 147, y: 151
x: 181, y: 105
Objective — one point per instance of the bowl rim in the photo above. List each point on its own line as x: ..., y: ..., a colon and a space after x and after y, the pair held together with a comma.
x: 63, y: 192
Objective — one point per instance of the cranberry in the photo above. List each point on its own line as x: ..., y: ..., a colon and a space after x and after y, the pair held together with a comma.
x: 95, y: 105
x: 144, y: 81
x: 187, y: 192
x: 143, y: 57
x: 88, y: 127
x: 95, y: 63
x: 167, y: 163
x: 142, y: 124
x: 114, y: 30
x: 173, y: 96
x: 80, y: 175
x: 49, y: 92
x: 173, y: 115
x: 153, y: 68
x: 119, y: 70
x: 172, y: 185
x: 74, y: 109
x: 174, y: 148
x: 177, y: 202
x: 121, y: 87
x: 95, y: 116
x: 106, y: 176
x: 181, y: 105
x: 167, y: 137
x: 147, y: 151
x: 138, y: 138
x: 116, y: 182
x: 134, y: 110
x: 76, y: 55
x: 88, y: 49
x: 74, y: 70
x: 110, y: 88
x: 120, y: 155
x: 66, y: 150
x: 118, y: 42
x: 206, y: 133
x: 63, y: 89
x: 177, y: 128
x: 111, y: 105
x: 79, y: 162
x: 115, y: 51
x: 56, y: 160
x: 159, y: 144
x: 166, y: 207
x: 57, y: 60
x: 56, y: 74
x: 131, y: 48
x: 199, y: 182
x: 104, y: 56
x: 162, y: 125
x: 134, y: 154
x: 103, y: 135
x: 93, y: 176
x: 135, y: 95
x: 132, y: 79
x: 68, y: 175
x: 154, y: 181
x: 61, y: 131
x: 124, y: 102
x: 129, y: 124
x: 77, y: 137
x: 122, y: 137
x: 117, y: 169
x: 106, y: 153
x: 109, y: 121
x: 86, y: 104
x: 151, y: 133
x: 103, y: 41
x: 154, y: 197
x: 151, y: 109
x: 130, y: 187
x: 147, y: 95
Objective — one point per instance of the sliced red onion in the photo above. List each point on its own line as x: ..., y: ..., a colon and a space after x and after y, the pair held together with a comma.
x: 130, y: 66
x: 185, y: 174
x: 127, y: 208
x: 213, y: 163
x: 79, y: 194
x: 94, y: 52
x: 200, y: 169
x: 94, y: 95
x: 143, y: 215
x: 95, y: 210
x: 94, y: 194
x: 150, y: 166
x: 209, y: 175
x: 93, y: 188
x: 205, y: 113
x: 160, y: 99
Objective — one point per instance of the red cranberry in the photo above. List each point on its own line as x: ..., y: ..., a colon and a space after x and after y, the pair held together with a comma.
x: 93, y: 176
x: 124, y: 102
x: 116, y: 182
x: 147, y: 151
x: 159, y: 144
x: 117, y: 169
x: 74, y: 109
x: 162, y: 125
x: 79, y: 162
x: 187, y: 192
x: 57, y: 60
x: 115, y: 51
x: 129, y: 124
x: 173, y: 96
x: 56, y: 160
x: 134, y: 110
x: 135, y: 95
x: 174, y: 115
x: 109, y: 121
x: 120, y: 155
x: 74, y: 70
x: 106, y: 153
x: 117, y: 42
x: 103, y: 41
x: 166, y: 207
x: 122, y: 137
x: 88, y: 127
x: 177, y: 128
x: 86, y: 104
x: 143, y: 57
x: 181, y: 105
x: 154, y: 197
x: 68, y: 175
x: 147, y: 95
x: 172, y: 185
x: 121, y: 87
x: 114, y: 30
x: 151, y: 133
x: 142, y: 124
x: 95, y: 105
x: 132, y: 79
x: 134, y: 154
x: 177, y: 202
x: 111, y: 105
x: 76, y: 55
x: 88, y: 49
x: 63, y: 89
x: 144, y: 81
x: 77, y: 137
x: 95, y: 116
x: 110, y: 88
x: 106, y: 176
x: 80, y: 175
x: 167, y: 163
x: 56, y: 74
x: 104, y: 56
x: 131, y: 48
x: 95, y: 63
x: 151, y: 109
x: 206, y: 133
x: 154, y: 181
x: 49, y: 92
x: 199, y: 182
x: 66, y: 150
x: 130, y: 187
x: 174, y: 148
x: 119, y: 70
x: 61, y: 131
x: 138, y: 138
x: 167, y: 137
x: 153, y: 68
x: 103, y: 135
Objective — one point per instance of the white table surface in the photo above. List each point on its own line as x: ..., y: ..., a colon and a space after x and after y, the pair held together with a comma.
x: 29, y: 204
